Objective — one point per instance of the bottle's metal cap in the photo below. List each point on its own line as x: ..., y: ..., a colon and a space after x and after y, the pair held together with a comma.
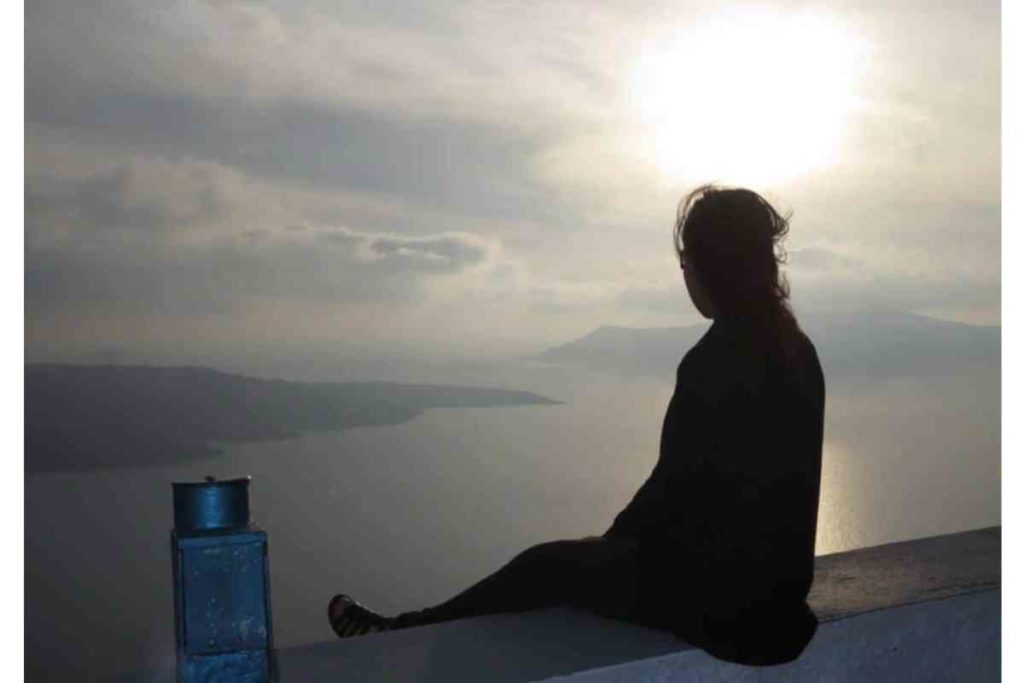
x: 211, y: 504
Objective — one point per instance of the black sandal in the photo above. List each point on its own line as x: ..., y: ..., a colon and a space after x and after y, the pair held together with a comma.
x: 348, y: 618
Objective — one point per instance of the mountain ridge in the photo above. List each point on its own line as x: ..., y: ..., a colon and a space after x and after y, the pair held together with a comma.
x: 869, y: 343
x: 95, y: 416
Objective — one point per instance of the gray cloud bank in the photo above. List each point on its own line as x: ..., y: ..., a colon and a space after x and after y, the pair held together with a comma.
x: 137, y: 238
x: 204, y: 160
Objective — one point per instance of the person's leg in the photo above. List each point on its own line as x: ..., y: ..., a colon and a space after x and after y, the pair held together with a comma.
x: 597, y: 574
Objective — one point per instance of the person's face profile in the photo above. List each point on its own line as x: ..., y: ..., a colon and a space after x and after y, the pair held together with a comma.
x: 698, y: 295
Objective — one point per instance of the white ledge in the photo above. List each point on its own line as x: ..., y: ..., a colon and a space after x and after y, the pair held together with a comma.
x: 921, y: 610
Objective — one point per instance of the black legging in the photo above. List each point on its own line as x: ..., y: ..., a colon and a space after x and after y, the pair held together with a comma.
x: 598, y: 574
x: 607, y: 575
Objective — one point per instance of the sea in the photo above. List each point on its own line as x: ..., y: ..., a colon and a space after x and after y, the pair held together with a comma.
x: 405, y: 516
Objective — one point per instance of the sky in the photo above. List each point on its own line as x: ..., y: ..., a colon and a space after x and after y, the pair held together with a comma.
x: 482, y: 179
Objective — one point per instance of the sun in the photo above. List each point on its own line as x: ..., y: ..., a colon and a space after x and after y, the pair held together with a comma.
x: 750, y: 96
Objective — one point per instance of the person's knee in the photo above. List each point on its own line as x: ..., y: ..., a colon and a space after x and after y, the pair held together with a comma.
x: 544, y: 554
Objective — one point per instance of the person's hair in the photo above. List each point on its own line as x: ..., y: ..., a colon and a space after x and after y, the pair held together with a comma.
x: 732, y: 238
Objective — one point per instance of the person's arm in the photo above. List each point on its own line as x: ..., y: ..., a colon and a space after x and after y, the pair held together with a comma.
x: 658, y: 499
x: 648, y: 508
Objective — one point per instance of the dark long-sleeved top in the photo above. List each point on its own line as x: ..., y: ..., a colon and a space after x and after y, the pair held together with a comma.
x: 727, y: 519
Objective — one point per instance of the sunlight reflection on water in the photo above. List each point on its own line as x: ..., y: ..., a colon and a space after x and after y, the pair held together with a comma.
x: 837, y: 518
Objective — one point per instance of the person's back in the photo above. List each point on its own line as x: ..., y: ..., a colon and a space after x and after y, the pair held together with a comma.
x: 745, y: 440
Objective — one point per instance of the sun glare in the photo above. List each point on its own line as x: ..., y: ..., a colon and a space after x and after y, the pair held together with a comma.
x: 753, y: 96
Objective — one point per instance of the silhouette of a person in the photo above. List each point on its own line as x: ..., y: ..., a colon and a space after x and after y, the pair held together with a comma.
x: 718, y: 544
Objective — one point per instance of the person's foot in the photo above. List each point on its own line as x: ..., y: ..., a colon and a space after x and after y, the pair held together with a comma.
x: 349, y: 618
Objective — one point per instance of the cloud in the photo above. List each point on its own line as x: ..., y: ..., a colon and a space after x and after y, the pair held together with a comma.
x: 461, y: 168
x: 821, y: 259
x: 446, y: 251
x: 151, y: 235
x: 138, y: 196
x: 469, y: 106
x: 211, y: 157
x: 232, y: 274
x: 401, y: 64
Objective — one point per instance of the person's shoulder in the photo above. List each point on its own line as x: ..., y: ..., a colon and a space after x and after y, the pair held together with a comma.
x: 807, y: 366
x: 807, y: 350
x: 806, y: 344
x: 720, y: 365
x: 696, y: 354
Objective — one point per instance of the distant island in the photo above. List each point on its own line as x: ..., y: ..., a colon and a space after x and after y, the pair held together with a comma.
x: 862, y: 344
x: 80, y: 417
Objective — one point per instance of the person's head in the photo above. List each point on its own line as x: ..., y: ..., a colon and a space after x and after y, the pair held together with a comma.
x: 729, y: 247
